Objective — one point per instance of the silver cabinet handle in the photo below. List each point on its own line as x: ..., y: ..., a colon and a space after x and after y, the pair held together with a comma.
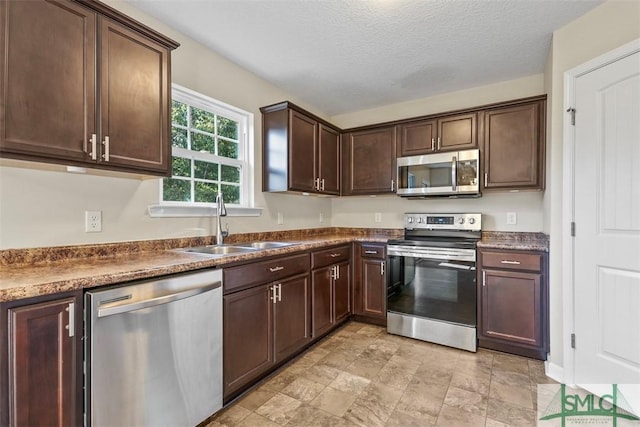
x: 333, y: 272
x: 105, y: 144
x: 486, y: 178
x: 273, y: 297
x: 165, y: 299
x: 454, y: 175
x: 276, y: 268
x: 316, y: 184
x: 393, y: 185
x: 337, y: 271
x: 71, y: 326
x: 279, y: 292
x: 334, y: 255
x: 438, y: 143
x: 382, y: 268
x: 484, y: 278
x: 94, y: 146
x: 433, y: 144
x: 507, y: 261
x: 322, y: 182
x: 371, y: 252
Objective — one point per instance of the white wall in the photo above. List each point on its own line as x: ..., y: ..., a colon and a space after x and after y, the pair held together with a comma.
x: 359, y: 211
x: 602, y: 29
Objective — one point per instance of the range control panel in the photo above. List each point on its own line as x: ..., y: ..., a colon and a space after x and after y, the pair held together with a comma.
x: 441, y: 221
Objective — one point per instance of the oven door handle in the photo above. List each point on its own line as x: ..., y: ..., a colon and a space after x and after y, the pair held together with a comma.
x: 458, y: 266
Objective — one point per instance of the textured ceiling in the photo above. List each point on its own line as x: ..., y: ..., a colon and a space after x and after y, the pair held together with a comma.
x: 347, y: 55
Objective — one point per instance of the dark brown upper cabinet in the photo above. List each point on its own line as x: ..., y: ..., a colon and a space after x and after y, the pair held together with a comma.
x: 301, y: 152
x: 369, y: 161
x: 439, y: 134
x: 54, y: 107
x: 514, y: 146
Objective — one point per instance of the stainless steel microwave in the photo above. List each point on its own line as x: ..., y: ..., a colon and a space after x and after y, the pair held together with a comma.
x: 440, y: 174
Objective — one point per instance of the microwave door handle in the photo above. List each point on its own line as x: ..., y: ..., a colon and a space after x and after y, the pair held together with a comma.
x: 454, y: 175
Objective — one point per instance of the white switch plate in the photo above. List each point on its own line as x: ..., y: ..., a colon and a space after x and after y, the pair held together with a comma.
x: 377, y: 217
x: 321, y: 218
x: 512, y: 218
x: 280, y: 218
x: 92, y: 221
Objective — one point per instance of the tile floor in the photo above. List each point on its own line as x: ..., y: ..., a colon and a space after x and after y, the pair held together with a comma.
x: 362, y: 376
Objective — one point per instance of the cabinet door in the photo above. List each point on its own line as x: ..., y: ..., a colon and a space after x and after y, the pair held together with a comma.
x: 369, y: 161
x: 292, y: 318
x: 43, y: 368
x: 329, y: 160
x: 248, y: 336
x: 341, y: 292
x: 373, y: 285
x: 511, y: 307
x: 135, y: 100
x: 514, y: 147
x: 417, y: 138
x: 303, y: 144
x: 48, y: 87
x: 457, y: 132
x: 321, y: 300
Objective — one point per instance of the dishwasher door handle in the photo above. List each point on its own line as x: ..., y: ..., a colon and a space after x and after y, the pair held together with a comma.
x: 164, y: 299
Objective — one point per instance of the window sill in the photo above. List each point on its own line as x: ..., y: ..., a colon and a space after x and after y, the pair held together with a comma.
x: 173, y: 211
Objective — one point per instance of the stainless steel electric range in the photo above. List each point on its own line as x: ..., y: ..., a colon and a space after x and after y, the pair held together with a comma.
x: 431, y: 288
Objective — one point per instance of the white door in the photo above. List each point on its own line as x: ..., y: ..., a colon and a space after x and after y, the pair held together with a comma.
x: 607, y: 216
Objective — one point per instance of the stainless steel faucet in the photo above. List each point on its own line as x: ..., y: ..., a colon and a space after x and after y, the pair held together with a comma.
x: 221, y: 211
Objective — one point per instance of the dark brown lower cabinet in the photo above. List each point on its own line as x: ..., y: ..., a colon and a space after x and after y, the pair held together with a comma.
x: 513, y: 303
x: 263, y: 326
x: 330, y: 297
x: 41, y: 361
x: 370, y: 283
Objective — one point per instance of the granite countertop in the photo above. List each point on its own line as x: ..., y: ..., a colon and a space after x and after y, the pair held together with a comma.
x: 43, y: 271
x: 514, y: 241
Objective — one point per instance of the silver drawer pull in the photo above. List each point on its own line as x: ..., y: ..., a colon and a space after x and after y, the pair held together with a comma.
x: 274, y: 269
x: 371, y: 252
x: 334, y: 255
x: 506, y: 261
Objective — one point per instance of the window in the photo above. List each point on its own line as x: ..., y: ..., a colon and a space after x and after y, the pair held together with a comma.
x: 210, y: 152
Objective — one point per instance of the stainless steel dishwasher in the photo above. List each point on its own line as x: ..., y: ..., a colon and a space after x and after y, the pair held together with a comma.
x: 154, y: 352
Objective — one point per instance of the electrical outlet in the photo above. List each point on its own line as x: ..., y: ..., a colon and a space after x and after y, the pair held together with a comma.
x: 92, y: 221
x: 280, y: 218
x: 512, y: 218
x: 321, y: 218
x: 377, y: 217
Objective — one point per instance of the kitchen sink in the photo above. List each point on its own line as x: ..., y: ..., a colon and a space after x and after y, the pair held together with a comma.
x: 264, y: 245
x: 220, y: 250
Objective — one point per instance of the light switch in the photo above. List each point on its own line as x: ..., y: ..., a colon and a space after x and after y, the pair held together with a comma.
x: 512, y: 218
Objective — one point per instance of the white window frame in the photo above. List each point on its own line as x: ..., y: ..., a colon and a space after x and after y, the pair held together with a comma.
x: 244, y: 162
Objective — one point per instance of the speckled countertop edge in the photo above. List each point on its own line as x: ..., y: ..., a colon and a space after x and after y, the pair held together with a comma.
x: 43, y: 271
x: 514, y: 241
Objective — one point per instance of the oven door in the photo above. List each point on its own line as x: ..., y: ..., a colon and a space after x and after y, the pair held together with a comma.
x: 432, y: 288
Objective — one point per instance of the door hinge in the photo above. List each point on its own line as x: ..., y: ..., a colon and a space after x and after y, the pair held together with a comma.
x: 573, y: 340
x: 573, y: 229
x: 572, y: 111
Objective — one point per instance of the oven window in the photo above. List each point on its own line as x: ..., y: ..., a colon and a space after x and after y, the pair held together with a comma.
x: 435, y: 289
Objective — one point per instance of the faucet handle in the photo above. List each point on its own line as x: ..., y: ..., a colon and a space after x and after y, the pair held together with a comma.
x: 225, y: 233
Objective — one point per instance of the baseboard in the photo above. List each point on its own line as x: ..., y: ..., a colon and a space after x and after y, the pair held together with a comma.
x: 554, y: 371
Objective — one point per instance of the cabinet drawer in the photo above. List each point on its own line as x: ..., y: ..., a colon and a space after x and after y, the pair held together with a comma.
x: 512, y: 260
x: 259, y: 272
x: 373, y: 250
x: 330, y: 256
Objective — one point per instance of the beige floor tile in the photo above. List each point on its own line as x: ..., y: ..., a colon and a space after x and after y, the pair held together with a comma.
x: 511, y: 363
x: 471, y: 383
x: 280, y: 381
x: 510, y: 414
x: 309, y: 416
x: 469, y: 401
x: 321, y: 373
x: 419, y: 403
x: 331, y: 343
x: 510, y: 378
x: 398, y: 419
x: 365, y: 367
x: 434, y: 373
x: 494, y: 423
x: 335, y: 402
x: 303, y: 389
x: 255, y: 420
x: 477, y: 368
x: 232, y: 416
x: 338, y: 358
x: 379, y: 399
x: 518, y: 396
x: 256, y: 398
x: 279, y: 409
x: 450, y: 416
x: 362, y: 416
x: 349, y: 383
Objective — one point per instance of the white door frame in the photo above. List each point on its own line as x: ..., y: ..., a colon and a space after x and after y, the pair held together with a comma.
x: 568, y: 196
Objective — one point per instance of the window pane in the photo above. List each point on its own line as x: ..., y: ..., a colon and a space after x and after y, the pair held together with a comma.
x: 227, y: 149
x: 176, y: 190
x: 230, y: 174
x: 179, y: 137
x: 227, y: 128
x: 205, y: 170
x: 206, y: 192
x: 202, y: 120
x: 181, y: 166
x: 200, y: 142
x: 179, y: 113
x: 231, y: 194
